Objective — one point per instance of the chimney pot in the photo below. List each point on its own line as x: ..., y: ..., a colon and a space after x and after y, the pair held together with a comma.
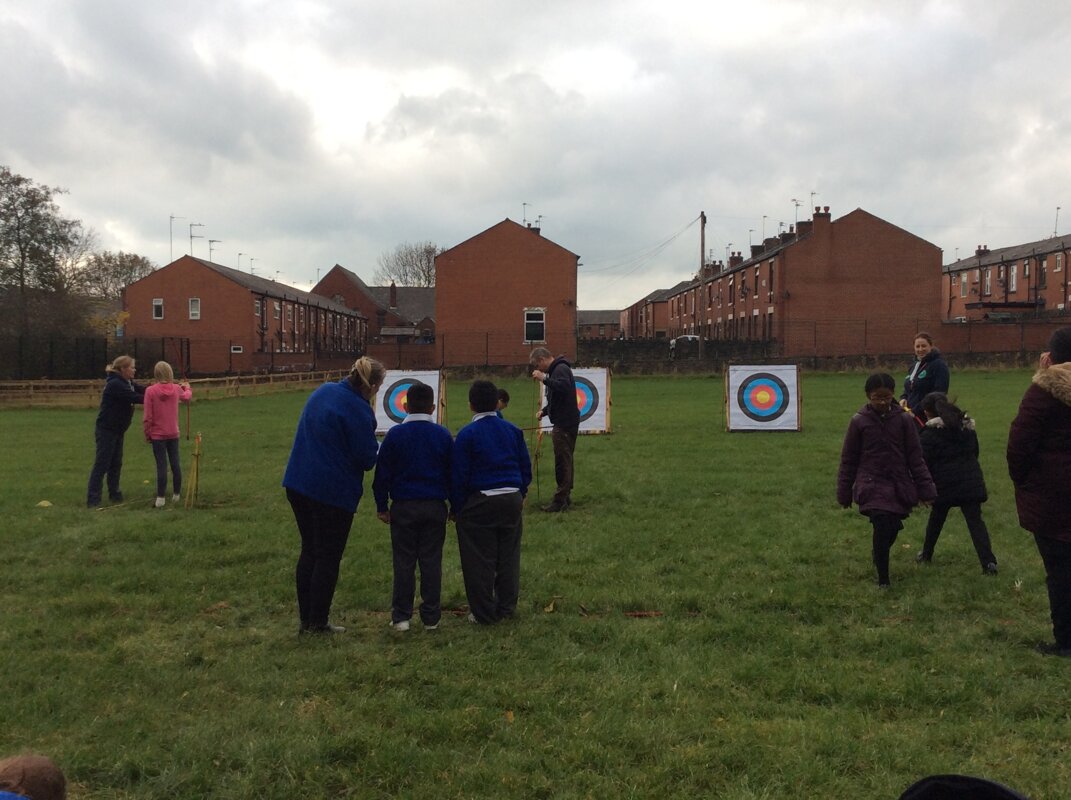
x: 825, y: 209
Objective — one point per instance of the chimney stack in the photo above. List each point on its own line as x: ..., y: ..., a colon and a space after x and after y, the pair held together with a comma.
x: 757, y: 250
x: 735, y: 259
x: 981, y: 250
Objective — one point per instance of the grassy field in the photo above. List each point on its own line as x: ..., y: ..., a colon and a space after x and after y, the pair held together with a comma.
x: 153, y: 653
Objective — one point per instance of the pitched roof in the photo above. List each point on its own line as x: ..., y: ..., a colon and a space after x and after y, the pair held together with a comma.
x: 270, y: 288
x: 414, y: 302
x: 598, y: 317
x: 1002, y: 255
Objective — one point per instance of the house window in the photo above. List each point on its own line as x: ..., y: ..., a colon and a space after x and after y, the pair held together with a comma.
x: 1026, y: 269
x: 256, y: 307
x: 987, y: 287
x: 1013, y: 278
x: 1059, y: 262
x: 602, y: 330
x: 289, y: 313
x: 237, y: 348
x: 1042, y: 273
x: 158, y: 308
x: 278, y: 309
x: 195, y: 308
x: 535, y: 325
x: 963, y: 284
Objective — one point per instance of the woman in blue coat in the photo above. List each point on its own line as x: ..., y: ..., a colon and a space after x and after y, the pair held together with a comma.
x: 928, y: 374
x: 116, y: 410
x: 334, y: 446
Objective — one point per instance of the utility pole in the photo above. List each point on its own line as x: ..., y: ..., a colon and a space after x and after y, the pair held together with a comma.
x: 702, y: 276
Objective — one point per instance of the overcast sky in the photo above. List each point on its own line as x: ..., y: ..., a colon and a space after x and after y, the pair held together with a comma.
x: 306, y: 134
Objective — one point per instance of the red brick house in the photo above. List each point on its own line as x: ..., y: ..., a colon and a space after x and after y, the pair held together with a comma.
x: 598, y: 324
x: 858, y: 285
x: 395, y: 313
x: 502, y: 293
x: 236, y: 322
x: 1024, y: 280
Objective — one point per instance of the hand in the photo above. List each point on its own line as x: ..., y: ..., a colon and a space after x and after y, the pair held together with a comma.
x: 541, y: 414
x: 1045, y: 361
x: 903, y: 405
x: 538, y: 375
x: 384, y: 516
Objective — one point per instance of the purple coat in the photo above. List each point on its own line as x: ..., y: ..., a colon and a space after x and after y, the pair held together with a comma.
x: 1039, y: 454
x: 881, y: 465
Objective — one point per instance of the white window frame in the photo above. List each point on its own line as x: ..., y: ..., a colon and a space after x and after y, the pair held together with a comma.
x: 535, y: 316
x: 277, y: 308
x: 237, y: 348
x: 256, y: 307
x: 963, y: 284
x: 158, y: 308
x: 987, y: 286
x: 1013, y: 279
x: 195, y: 307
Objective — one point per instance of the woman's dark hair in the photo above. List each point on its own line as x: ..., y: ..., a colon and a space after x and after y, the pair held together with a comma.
x: 879, y: 380
x: 1060, y: 345
x: 923, y: 335
x: 937, y: 404
x: 483, y: 396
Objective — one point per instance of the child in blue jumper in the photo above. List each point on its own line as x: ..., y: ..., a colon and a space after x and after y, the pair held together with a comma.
x: 489, y: 476
x: 413, y: 471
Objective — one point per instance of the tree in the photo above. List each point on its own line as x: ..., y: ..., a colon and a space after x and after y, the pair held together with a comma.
x: 409, y: 265
x: 106, y: 274
x: 32, y: 235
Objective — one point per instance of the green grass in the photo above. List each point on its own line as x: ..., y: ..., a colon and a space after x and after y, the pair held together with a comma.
x: 154, y: 655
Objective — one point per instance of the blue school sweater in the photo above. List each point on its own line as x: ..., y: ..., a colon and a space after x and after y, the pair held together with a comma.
x: 334, y: 446
x: 489, y: 453
x: 414, y: 462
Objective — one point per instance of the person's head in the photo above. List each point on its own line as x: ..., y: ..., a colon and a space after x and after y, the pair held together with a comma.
x: 879, y: 388
x: 163, y: 372
x: 419, y: 399
x: 503, y: 399
x: 539, y: 359
x: 123, y: 366
x: 366, y: 376
x: 923, y: 344
x: 32, y: 776
x: 483, y: 396
x: 1060, y: 346
x: 937, y: 404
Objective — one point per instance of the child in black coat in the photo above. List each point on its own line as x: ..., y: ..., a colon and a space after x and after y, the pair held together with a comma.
x: 950, y: 447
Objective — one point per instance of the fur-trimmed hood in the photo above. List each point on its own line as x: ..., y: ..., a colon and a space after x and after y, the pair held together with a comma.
x: 1056, y: 380
x: 937, y: 422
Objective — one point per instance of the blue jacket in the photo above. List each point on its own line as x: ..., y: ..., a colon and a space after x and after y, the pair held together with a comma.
x: 413, y: 463
x: 334, y: 446
x: 117, y: 403
x: 489, y: 453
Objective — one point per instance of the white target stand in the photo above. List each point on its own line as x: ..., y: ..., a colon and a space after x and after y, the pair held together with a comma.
x: 763, y: 398
x: 390, y: 402
x: 592, y: 399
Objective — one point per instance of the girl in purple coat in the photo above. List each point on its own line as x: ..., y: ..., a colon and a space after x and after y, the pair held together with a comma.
x: 882, y: 469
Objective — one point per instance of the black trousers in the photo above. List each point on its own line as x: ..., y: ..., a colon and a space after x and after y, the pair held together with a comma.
x: 972, y: 513
x: 417, y: 533
x: 1056, y: 555
x: 324, y: 530
x: 164, y: 451
x: 489, y: 542
x: 564, y: 441
x: 886, y: 527
x: 108, y: 461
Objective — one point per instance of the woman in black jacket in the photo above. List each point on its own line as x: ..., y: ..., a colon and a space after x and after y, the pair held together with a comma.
x: 928, y: 374
x: 116, y: 410
x: 950, y: 447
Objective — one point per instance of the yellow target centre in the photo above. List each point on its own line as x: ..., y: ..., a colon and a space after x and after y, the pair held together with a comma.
x: 763, y: 396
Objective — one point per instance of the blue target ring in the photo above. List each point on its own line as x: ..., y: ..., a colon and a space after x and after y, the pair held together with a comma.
x: 587, y: 398
x: 763, y: 397
x: 394, y: 399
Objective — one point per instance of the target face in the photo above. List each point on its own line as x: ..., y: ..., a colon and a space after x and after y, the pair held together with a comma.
x: 587, y: 398
x: 763, y: 397
x: 394, y: 399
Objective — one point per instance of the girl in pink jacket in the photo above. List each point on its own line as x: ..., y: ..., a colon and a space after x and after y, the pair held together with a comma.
x: 162, y: 427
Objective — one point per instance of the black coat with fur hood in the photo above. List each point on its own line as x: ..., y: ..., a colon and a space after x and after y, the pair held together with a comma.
x: 1039, y: 454
x: 952, y: 457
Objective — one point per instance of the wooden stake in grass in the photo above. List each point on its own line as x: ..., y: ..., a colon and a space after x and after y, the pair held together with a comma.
x: 537, y: 428
x: 195, y: 473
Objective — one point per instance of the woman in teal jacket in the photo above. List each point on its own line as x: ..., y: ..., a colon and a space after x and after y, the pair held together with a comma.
x: 334, y: 446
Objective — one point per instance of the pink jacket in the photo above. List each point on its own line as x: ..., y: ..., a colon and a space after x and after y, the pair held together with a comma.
x: 161, y: 410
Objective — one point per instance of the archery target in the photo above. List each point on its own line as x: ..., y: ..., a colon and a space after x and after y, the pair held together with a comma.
x: 592, y: 400
x: 390, y: 402
x: 763, y: 398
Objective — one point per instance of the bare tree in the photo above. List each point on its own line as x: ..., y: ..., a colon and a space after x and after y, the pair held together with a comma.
x: 409, y: 265
x: 106, y: 274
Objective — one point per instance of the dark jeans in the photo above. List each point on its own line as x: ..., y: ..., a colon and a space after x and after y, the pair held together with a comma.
x: 564, y: 440
x: 972, y: 513
x: 1056, y: 555
x: 886, y: 526
x: 164, y: 451
x: 108, y: 461
x: 324, y: 530
x: 489, y: 541
x: 417, y: 533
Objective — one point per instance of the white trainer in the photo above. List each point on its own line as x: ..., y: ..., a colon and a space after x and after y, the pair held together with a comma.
x: 401, y: 627
x: 160, y: 502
